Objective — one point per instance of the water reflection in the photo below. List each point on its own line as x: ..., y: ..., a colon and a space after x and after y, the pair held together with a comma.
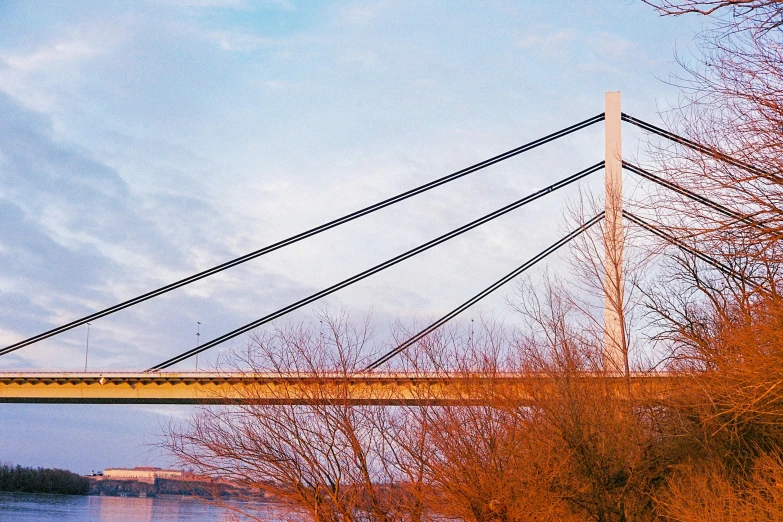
x: 20, y: 507
x: 120, y: 508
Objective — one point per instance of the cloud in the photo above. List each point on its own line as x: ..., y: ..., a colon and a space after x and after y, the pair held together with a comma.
x: 610, y: 45
x: 601, y: 43
x: 365, y: 58
x: 237, y: 4
x: 229, y: 4
x: 242, y: 42
x: 53, y: 199
x: 77, y: 238
x: 8, y: 337
x: 277, y: 85
x: 83, y: 443
x: 30, y: 77
x: 71, y: 227
x: 358, y: 15
x: 176, y: 134
x: 546, y: 41
x: 49, y: 56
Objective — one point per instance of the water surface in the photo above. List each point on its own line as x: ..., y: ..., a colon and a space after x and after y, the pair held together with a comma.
x: 23, y: 507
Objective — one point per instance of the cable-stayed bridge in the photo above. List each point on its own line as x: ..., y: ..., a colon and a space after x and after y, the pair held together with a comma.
x: 373, y: 388
x: 371, y: 385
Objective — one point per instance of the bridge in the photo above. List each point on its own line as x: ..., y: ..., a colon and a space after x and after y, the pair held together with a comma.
x: 370, y: 386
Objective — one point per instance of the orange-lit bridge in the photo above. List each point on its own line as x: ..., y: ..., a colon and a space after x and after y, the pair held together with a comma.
x: 155, y: 386
x: 240, y: 387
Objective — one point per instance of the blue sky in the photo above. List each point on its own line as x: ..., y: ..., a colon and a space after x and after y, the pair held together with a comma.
x: 143, y: 141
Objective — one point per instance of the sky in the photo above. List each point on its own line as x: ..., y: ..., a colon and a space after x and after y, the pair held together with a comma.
x: 141, y: 142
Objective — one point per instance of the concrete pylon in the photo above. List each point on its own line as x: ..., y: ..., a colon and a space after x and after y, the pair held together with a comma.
x: 614, y: 331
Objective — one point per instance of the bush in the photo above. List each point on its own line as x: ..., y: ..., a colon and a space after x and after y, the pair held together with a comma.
x: 42, y: 480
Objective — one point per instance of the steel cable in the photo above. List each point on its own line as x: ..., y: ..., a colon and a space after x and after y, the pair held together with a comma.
x: 303, y: 235
x: 484, y: 293
x: 722, y: 209
x: 378, y: 268
x: 690, y: 250
x: 700, y: 148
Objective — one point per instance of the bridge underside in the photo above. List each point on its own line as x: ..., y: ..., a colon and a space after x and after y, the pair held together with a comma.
x: 246, y: 388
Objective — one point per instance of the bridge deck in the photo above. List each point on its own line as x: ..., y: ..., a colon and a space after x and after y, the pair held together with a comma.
x: 240, y: 387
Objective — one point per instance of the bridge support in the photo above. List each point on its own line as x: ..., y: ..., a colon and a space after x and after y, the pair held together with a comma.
x: 615, y: 345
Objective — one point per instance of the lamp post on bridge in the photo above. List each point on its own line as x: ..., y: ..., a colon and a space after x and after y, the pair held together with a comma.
x: 198, y: 338
x: 87, y: 348
x: 615, y: 345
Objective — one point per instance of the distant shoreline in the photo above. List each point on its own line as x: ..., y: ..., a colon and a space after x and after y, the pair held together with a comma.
x: 18, y: 479
x: 167, y: 487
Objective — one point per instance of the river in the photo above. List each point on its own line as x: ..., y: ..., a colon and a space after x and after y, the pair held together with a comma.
x: 23, y: 507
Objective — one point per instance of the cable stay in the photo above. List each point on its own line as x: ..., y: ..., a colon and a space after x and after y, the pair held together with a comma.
x: 484, y: 293
x: 306, y: 234
x: 692, y: 251
x: 722, y: 209
x: 698, y: 147
x: 378, y: 268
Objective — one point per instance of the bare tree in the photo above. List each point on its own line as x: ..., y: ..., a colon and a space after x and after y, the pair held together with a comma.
x: 732, y: 105
x: 764, y: 14
x: 723, y: 325
x: 699, y: 492
x: 315, y: 452
x: 606, y: 443
x: 481, y: 464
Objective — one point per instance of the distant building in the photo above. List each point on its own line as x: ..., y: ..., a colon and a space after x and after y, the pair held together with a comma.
x: 142, y: 474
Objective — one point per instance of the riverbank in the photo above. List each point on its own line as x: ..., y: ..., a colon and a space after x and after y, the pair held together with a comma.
x: 101, y: 486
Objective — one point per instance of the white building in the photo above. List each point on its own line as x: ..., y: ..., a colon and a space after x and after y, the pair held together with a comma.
x: 142, y: 474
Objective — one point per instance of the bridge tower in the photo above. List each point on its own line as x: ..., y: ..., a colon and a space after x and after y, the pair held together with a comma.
x: 615, y: 345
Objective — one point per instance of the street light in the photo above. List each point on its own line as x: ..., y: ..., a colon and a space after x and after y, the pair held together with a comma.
x: 198, y: 335
x: 87, y: 350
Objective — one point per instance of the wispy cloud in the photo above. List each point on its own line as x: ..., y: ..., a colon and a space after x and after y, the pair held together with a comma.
x: 49, y: 56
x: 546, y: 40
x: 31, y: 77
x: 171, y: 135
x: 366, y: 57
x: 610, y: 45
x: 233, y: 41
x: 358, y: 14
x: 277, y: 85
x: 235, y: 4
